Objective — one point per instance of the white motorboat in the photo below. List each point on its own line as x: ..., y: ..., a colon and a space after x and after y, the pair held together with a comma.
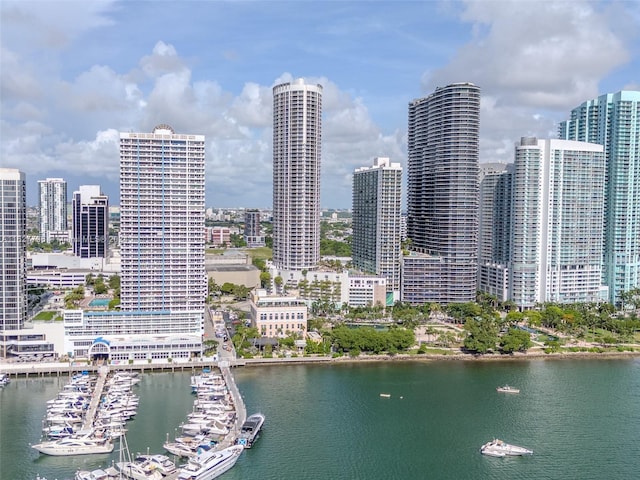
x: 188, y: 446
x: 508, y: 389
x: 250, y: 430
x: 99, y: 474
x: 75, y: 445
x: 5, y: 379
x: 210, y: 464
x: 158, y: 462
x: 138, y: 470
x: 498, y: 448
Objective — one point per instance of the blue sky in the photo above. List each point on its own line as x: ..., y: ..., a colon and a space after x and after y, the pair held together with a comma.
x: 75, y: 73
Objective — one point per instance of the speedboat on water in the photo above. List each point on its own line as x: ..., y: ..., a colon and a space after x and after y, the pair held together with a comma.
x: 508, y: 389
x: 250, y: 430
x: 210, y: 464
x: 498, y: 448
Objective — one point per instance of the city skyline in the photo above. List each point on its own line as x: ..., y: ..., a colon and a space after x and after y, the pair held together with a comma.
x: 74, y: 74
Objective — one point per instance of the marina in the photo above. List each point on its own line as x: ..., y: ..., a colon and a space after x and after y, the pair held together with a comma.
x: 330, y: 422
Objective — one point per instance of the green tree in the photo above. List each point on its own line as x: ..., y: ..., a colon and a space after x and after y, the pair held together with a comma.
x: 259, y: 263
x: 114, y: 282
x: 237, y: 241
x: 515, y: 340
x: 482, y: 335
x: 99, y: 286
x: 265, y: 279
x: 461, y: 312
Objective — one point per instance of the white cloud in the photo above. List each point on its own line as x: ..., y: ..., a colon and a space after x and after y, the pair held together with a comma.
x: 534, y: 62
x: 51, y: 25
x: 17, y: 82
x: 237, y: 127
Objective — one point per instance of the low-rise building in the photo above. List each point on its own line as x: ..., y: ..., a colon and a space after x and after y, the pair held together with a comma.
x: 232, y: 267
x: 278, y: 316
x: 137, y: 335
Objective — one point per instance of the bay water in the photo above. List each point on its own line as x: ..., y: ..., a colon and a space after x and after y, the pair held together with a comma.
x: 580, y: 417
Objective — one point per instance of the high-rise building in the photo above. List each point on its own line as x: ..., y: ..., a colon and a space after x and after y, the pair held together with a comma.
x: 13, y: 249
x: 162, y: 221
x: 613, y: 120
x: 377, y: 198
x: 557, y: 213
x: 252, y: 233
x: 53, y: 209
x: 442, y: 200
x: 297, y: 126
x: 494, y: 229
x: 90, y: 213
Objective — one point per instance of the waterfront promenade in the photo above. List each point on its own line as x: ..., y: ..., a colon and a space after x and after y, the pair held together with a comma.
x: 67, y: 369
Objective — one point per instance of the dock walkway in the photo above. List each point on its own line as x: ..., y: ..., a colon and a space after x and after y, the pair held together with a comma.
x: 90, y: 417
x: 238, y: 402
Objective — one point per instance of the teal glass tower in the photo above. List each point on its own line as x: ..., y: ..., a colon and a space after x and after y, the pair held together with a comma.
x: 613, y: 120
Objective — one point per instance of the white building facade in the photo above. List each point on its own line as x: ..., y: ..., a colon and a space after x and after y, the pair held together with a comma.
x: 377, y: 202
x: 53, y: 209
x: 297, y: 127
x: 161, y: 221
x: 278, y: 316
x: 163, y: 279
x: 557, y: 222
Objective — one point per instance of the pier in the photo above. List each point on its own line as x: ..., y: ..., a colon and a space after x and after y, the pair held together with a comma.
x: 238, y: 402
x: 90, y: 417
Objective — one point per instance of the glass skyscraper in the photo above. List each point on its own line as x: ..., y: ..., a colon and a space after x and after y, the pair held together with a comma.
x: 613, y: 120
x: 442, y: 207
x: 90, y: 209
x: 13, y: 249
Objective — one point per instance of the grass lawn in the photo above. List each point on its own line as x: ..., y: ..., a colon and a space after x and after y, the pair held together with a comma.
x: 260, y: 252
x: 48, y: 315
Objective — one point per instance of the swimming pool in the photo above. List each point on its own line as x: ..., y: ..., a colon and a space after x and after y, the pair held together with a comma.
x: 99, y: 302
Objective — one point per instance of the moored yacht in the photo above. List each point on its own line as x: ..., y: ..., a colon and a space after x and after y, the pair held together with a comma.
x: 250, y: 430
x: 210, y: 464
x: 76, y: 445
x: 498, y: 448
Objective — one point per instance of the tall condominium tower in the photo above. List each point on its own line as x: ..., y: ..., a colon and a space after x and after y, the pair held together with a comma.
x: 13, y: 249
x: 53, y: 209
x: 297, y: 125
x: 162, y: 221
x: 613, y: 120
x: 252, y: 234
x: 557, y: 212
x: 494, y: 229
x: 442, y: 220
x: 90, y: 208
x: 377, y: 197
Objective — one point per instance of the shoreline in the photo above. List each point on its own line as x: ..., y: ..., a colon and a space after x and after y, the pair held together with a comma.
x: 494, y: 357
x: 63, y: 369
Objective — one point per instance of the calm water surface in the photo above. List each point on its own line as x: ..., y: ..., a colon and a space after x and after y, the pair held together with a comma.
x: 581, y: 418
